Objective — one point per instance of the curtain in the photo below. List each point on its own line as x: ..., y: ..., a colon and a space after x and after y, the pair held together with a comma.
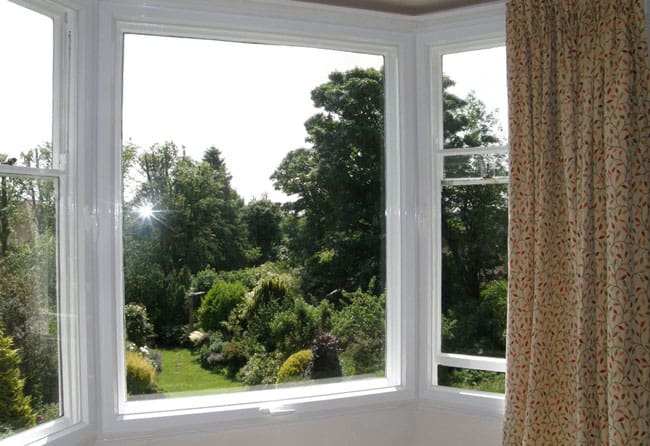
x: 579, y: 279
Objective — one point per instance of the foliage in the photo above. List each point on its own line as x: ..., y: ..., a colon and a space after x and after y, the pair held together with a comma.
x: 140, y: 374
x: 138, y: 328
x: 262, y: 218
x: 337, y: 223
x: 295, y: 366
x: 153, y: 356
x: 210, y: 352
x: 28, y: 274
x: 472, y: 379
x: 203, y: 280
x: 218, y: 303
x: 196, y: 223
x: 261, y: 368
x: 325, y: 358
x: 361, y: 327
x: 474, y: 233
x: 295, y: 327
x: 15, y: 408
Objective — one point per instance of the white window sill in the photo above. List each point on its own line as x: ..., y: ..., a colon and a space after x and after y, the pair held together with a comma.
x: 254, y: 407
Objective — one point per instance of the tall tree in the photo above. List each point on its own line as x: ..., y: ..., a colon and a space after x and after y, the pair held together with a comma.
x: 195, y: 223
x: 339, y: 184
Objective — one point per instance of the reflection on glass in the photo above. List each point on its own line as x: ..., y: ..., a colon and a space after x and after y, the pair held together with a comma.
x: 251, y: 260
x: 475, y: 166
x: 26, y: 45
x: 472, y: 379
x: 474, y: 269
x: 29, y: 352
x: 475, y: 98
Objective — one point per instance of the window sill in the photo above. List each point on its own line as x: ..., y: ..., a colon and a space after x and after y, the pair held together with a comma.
x: 463, y: 401
x: 256, y: 407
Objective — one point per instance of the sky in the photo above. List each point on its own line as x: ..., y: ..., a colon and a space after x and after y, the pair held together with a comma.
x: 26, y: 81
x: 248, y: 100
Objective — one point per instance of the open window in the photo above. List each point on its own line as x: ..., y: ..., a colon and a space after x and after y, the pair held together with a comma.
x: 471, y: 232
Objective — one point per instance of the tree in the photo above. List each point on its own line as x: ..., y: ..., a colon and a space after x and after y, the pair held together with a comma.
x: 339, y: 184
x: 474, y: 227
x: 196, y: 223
x: 15, y: 408
x: 263, y: 218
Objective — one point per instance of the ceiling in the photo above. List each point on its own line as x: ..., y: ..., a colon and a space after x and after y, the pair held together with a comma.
x: 408, y: 7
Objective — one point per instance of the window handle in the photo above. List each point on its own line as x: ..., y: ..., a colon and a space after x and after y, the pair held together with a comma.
x: 276, y: 410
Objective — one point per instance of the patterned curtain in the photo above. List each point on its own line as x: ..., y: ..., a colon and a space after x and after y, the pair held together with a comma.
x: 579, y: 289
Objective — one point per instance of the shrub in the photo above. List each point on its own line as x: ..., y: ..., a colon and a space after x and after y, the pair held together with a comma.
x: 15, y: 408
x: 218, y: 303
x: 261, y: 368
x: 235, y: 355
x: 360, y: 326
x: 211, y: 351
x: 293, y: 329
x: 294, y: 368
x: 325, y: 358
x: 138, y: 328
x: 204, y: 280
x: 140, y: 374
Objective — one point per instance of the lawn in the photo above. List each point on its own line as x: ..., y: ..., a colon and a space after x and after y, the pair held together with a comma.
x: 181, y: 372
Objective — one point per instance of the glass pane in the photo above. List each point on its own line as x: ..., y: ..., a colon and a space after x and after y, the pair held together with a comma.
x: 29, y: 349
x: 472, y: 379
x: 474, y: 269
x: 476, y: 166
x: 253, y: 216
x: 26, y: 44
x: 475, y: 99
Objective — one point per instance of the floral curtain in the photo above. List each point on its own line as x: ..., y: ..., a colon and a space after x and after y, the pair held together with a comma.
x: 579, y: 289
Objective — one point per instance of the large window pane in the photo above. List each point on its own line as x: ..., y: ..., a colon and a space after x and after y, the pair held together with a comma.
x: 253, y: 215
x: 474, y: 269
x: 29, y: 349
x: 26, y: 49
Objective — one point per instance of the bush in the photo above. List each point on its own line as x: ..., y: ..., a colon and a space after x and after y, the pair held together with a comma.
x: 211, y: 351
x: 360, y: 326
x: 261, y: 368
x: 218, y: 303
x: 15, y: 408
x: 138, y: 328
x: 293, y: 329
x: 204, y: 280
x: 294, y: 368
x: 140, y: 374
x: 235, y: 355
x: 325, y: 358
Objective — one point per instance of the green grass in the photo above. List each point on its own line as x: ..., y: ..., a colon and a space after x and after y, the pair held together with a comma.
x: 181, y: 372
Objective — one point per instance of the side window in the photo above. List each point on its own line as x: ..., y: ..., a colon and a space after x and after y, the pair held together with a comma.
x: 35, y: 353
x: 473, y: 208
x: 253, y: 228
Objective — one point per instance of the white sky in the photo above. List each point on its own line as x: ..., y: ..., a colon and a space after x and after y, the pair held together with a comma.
x: 25, y: 79
x: 250, y: 101
x: 483, y: 71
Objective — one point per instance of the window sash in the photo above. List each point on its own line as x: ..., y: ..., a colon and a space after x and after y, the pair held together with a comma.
x: 394, y: 332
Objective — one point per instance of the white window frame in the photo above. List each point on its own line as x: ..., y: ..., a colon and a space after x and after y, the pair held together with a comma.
x: 478, y: 28
x: 119, y: 416
x: 72, y: 364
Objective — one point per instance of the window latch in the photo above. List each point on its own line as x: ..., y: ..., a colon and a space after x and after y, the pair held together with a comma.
x: 276, y: 410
